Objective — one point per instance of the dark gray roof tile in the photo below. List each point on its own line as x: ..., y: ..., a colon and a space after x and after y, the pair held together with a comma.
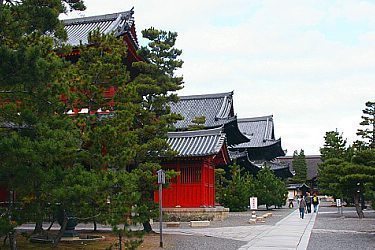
x: 216, y: 108
x: 260, y: 131
x: 78, y: 28
x: 197, y: 143
x: 312, y: 162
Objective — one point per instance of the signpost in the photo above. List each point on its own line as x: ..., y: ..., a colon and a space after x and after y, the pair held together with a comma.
x: 339, y: 206
x: 161, y: 181
x: 253, y: 203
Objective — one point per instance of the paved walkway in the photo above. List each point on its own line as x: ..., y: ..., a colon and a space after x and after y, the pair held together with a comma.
x: 289, y: 233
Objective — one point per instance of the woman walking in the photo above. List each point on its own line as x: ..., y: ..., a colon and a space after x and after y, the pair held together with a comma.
x: 302, y: 207
x: 315, y: 201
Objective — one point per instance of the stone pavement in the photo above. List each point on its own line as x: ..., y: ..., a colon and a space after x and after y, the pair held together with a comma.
x: 333, y: 231
x: 289, y: 233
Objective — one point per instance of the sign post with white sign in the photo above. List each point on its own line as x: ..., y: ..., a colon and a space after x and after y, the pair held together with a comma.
x: 338, y: 202
x: 161, y: 181
x: 253, y: 203
x: 339, y: 206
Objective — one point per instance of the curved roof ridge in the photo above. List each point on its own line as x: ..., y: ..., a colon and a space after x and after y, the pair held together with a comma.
x: 254, y: 119
x: 206, y: 96
x: 225, y: 107
x: 98, y: 18
x: 194, y: 133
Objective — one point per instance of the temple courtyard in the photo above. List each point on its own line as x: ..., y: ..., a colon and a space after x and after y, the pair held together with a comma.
x: 283, y: 230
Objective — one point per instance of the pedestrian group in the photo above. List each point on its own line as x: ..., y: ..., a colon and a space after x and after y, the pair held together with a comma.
x: 304, y: 204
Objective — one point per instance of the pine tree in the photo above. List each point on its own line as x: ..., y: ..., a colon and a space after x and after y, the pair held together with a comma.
x: 36, y: 139
x: 132, y: 137
x: 198, y: 123
x: 368, y: 122
x: 300, y: 166
x: 155, y: 86
x: 269, y: 189
x: 346, y: 173
x: 236, y: 192
x: 334, y: 146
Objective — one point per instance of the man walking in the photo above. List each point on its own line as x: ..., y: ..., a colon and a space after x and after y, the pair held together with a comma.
x: 301, y: 206
x: 308, y: 202
x: 315, y: 202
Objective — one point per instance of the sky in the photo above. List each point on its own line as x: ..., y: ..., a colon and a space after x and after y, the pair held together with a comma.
x: 310, y: 63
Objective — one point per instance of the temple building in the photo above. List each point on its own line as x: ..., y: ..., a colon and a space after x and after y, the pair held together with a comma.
x: 242, y: 159
x: 209, y: 136
x: 263, y: 147
x: 199, y: 153
x: 312, y: 163
x: 121, y: 24
x: 217, y: 110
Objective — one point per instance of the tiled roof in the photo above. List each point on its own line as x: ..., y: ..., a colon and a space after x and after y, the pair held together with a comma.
x: 197, y: 143
x: 79, y: 28
x: 312, y: 162
x: 216, y: 108
x: 279, y: 169
x: 242, y: 159
x: 274, y: 165
x: 260, y: 131
x: 297, y: 186
x: 235, y: 154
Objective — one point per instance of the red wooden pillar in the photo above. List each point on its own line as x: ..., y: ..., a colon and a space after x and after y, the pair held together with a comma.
x: 203, y: 179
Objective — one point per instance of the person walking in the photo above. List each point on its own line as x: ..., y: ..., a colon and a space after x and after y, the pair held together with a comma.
x: 301, y: 206
x: 308, y: 202
x: 315, y: 202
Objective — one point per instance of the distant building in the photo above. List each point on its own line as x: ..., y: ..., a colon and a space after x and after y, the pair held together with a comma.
x: 312, y: 162
x: 295, y: 190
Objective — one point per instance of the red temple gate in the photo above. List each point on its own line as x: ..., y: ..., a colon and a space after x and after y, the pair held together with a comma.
x: 194, y: 186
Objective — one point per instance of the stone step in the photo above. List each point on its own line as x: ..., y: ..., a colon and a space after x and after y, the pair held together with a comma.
x: 199, y: 223
x: 172, y: 224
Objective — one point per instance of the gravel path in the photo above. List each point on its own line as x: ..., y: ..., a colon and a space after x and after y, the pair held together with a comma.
x: 333, y: 231
x: 200, y: 242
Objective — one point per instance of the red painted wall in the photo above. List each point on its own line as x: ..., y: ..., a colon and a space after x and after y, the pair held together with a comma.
x: 193, y: 187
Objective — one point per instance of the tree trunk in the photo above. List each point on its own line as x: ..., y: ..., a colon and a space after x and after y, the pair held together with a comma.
x: 358, y: 207
x: 12, y: 240
x: 62, y: 230
x: 147, y: 227
x: 120, y: 241
x: 50, y: 226
x: 95, y: 226
x: 38, y: 227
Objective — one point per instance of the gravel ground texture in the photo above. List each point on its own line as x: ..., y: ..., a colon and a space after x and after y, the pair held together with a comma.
x: 173, y: 241
x: 200, y: 242
x: 335, y: 231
